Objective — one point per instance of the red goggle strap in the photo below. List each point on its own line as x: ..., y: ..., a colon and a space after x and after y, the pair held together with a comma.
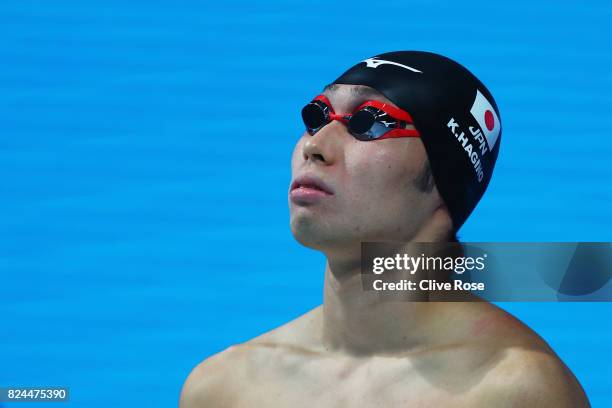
x: 401, y: 133
x: 324, y: 99
x: 396, y: 113
x: 332, y: 114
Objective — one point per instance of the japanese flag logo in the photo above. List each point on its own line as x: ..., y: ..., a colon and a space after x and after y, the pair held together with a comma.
x: 487, y: 119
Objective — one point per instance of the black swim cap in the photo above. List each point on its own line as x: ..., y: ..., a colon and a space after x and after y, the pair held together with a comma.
x: 454, y: 112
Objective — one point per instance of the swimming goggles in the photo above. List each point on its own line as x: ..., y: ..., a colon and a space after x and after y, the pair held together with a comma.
x: 372, y: 120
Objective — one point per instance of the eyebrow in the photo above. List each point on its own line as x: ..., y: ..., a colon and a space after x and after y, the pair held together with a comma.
x: 359, y: 92
x: 330, y: 87
x: 356, y: 90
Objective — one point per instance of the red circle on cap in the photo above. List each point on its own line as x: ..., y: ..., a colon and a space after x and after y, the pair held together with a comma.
x: 489, y: 120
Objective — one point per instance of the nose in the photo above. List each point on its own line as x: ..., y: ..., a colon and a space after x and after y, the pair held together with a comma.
x: 322, y: 147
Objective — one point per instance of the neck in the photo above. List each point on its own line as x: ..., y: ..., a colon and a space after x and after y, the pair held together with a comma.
x: 363, y: 322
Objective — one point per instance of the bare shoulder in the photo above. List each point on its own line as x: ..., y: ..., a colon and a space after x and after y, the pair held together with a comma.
x: 528, y: 377
x: 207, y: 385
x: 303, y: 330
x: 529, y: 373
x: 217, y: 381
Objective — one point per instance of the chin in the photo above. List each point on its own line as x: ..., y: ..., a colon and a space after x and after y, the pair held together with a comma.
x: 312, y: 233
x: 306, y: 232
x: 323, y: 237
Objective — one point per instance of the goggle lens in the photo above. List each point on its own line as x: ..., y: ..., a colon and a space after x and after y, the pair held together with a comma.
x: 315, y: 116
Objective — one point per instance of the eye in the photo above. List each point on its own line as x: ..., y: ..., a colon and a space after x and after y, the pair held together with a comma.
x: 315, y: 116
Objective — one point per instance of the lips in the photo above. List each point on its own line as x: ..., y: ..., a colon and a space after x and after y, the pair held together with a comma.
x: 309, y: 190
x: 311, y: 183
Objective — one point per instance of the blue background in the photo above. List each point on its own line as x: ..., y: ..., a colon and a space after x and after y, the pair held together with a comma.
x: 144, y: 156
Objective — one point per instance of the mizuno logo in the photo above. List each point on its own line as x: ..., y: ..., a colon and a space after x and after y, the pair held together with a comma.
x: 375, y: 62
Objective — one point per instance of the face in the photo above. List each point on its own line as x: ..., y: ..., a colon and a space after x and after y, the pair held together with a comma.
x: 345, y: 191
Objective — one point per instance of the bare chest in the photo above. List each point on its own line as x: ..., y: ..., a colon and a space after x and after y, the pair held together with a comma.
x: 289, y: 380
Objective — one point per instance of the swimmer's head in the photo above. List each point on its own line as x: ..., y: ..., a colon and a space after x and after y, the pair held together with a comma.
x: 384, y: 184
x: 373, y: 191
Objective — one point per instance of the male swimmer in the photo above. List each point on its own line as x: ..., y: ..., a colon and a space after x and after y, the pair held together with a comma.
x: 401, y: 147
